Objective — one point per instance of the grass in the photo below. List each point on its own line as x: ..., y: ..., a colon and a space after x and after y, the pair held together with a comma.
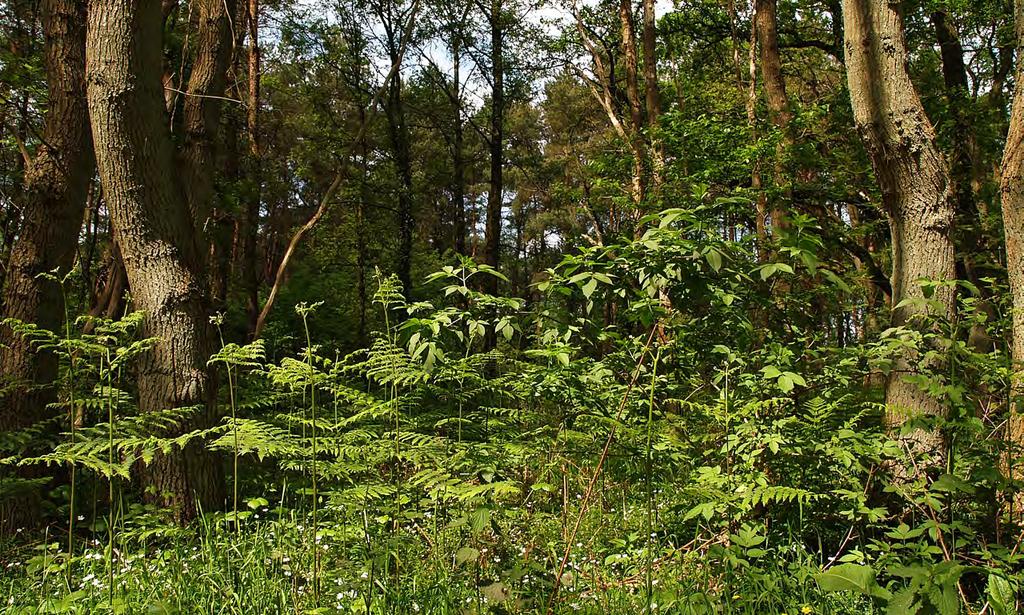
x: 432, y: 562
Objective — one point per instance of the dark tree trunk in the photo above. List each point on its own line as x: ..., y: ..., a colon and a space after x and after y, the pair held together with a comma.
x: 495, y: 192
x: 56, y: 182
x: 251, y: 220
x: 155, y: 229
x: 398, y: 132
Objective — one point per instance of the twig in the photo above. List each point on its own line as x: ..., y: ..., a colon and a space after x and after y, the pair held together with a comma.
x: 597, y: 471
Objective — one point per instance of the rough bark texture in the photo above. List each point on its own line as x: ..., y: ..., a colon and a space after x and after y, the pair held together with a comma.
x: 495, y: 192
x: 201, y: 111
x: 779, y: 111
x: 56, y: 182
x: 913, y: 178
x: 154, y: 228
x: 1012, y: 192
x: 636, y: 122
x: 651, y: 95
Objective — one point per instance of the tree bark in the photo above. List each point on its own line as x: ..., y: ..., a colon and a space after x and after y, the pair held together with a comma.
x: 1011, y: 189
x: 914, y: 182
x: 636, y: 122
x: 154, y: 227
x: 458, y: 145
x: 251, y: 220
x: 779, y: 111
x: 495, y: 192
x: 651, y: 95
x: 398, y: 133
x: 55, y: 182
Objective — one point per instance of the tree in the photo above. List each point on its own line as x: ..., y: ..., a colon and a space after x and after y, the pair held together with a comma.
x: 915, y: 186
x: 161, y: 246
x: 55, y: 183
x: 779, y: 112
x: 1011, y: 189
x: 496, y: 21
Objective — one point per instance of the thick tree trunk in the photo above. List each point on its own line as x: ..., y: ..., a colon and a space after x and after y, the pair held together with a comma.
x: 495, y: 192
x: 1012, y: 192
x: 155, y: 230
x: 914, y: 182
x: 56, y: 182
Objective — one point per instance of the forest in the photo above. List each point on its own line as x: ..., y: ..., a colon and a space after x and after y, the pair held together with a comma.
x: 512, y: 306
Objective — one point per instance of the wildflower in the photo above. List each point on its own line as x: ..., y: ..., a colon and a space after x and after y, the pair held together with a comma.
x: 806, y: 610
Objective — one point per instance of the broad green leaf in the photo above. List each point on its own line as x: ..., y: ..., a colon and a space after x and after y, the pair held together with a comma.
x: 851, y: 577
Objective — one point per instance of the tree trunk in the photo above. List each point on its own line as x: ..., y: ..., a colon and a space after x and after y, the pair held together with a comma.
x: 56, y: 182
x: 495, y: 196
x: 1011, y: 188
x: 398, y: 133
x: 458, y: 150
x: 633, y: 99
x: 779, y: 112
x: 251, y: 221
x: 652, y: 97
x: 155, y: 230
x: 914, y: 182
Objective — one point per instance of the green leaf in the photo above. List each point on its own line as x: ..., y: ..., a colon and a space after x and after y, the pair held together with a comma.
x: 589, y: 288
x: 851, y: 577
x: 466, y: 554
x: 714, y: 259
x: 1001, y: 596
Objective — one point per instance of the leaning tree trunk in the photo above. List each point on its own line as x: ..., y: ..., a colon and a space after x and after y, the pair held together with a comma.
x: 56, y: 182
x: 154, y: 228
x: 1012, y: 192
x: 915, y: 186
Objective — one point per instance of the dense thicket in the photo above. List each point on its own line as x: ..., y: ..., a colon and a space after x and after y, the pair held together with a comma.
x: 511, y: 306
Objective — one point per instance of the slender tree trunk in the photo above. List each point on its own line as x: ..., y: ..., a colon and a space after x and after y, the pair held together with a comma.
x: 361, y: 248
x: 56, y: 182
x: 966, y: 169
x: 154, y: 226
x: 756, y: 179
x: 651, y: 95
x: 779, y: 112
x: 398, y: 133
x: 636, y: 122
x: 251, y: 221
x: 1012, y: 192
x: 495, y: 192
x: 915, y: 186
x: 458, y: 150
